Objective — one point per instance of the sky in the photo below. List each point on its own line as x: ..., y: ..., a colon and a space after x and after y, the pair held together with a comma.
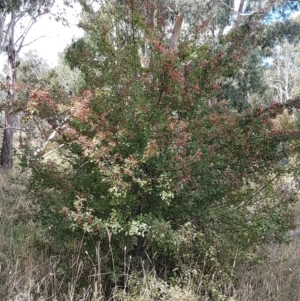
x: 56, y: 35
x: 53, y: 36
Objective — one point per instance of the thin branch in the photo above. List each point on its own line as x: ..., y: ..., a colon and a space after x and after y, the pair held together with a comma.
x: 24, y: 45
x: 24, y: 34
x: 13, y: 22
x: 239, y: 13
x: 21, y: 14
x: 51, y: 137
x: 250, y: 200
x: 53, y: 151
x: 5, y: 38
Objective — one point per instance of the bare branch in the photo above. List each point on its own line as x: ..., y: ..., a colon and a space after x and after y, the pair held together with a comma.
x: 52, y: 151
x: 239, y: 12
x: 51, y: 137
x: 6, y: 35
x: 24, y: 34
x: 29, y: 43
x: 20, y: 15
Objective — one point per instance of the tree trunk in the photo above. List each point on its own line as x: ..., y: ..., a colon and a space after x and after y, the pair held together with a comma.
x: 7, y: 142
x: 240, y: 11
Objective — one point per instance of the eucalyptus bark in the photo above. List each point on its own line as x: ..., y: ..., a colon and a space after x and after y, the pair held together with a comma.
x: 240, y: 11
x: 8, y: 134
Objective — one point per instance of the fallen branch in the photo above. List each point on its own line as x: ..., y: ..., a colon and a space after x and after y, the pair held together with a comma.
x: 53, y: 151
x: 51, y: 137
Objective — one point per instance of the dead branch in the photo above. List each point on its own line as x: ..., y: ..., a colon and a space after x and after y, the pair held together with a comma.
x: 50, y: 137
x: 52, y: 151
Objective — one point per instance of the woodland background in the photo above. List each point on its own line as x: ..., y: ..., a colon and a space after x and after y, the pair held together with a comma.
x: 159, y: 160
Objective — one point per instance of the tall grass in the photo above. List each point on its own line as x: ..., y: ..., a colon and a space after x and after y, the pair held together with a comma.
x: 28, y: 269
x: 277, y: 277
x: 33, y: 268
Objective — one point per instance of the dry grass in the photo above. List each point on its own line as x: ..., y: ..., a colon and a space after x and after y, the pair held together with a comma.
x: 27, y: 271
x: 276, y: 277
x: 30, y: 272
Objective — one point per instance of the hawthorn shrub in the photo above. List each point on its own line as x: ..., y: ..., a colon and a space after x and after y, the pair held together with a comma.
x: 151, y: 170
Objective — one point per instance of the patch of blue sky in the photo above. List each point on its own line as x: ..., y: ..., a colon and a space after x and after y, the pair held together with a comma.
x: 282, y: 12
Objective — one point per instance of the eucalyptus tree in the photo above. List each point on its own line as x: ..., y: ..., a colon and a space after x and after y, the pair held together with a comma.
x: 16, y: 20
x: 209, y: 22
x: 281, y: 71
x: 207, y: 25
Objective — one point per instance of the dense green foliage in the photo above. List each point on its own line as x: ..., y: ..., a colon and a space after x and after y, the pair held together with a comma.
x: 152, y: 170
